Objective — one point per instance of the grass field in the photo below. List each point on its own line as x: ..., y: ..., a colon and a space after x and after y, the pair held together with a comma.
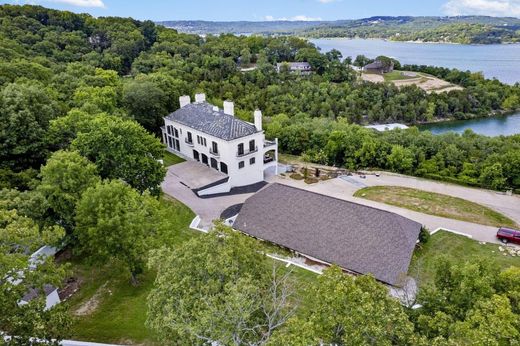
x: 398, y: 75
x: 118, y: 309
x: 171, y: 159
x: 435, y: 204
x: 458, y: 248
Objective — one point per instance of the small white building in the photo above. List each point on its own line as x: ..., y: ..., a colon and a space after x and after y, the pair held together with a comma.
x: 214, y: 137
x: 387, y: 127
x: 303, y: 68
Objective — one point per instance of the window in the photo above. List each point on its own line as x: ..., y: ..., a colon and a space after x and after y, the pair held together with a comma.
x: 190, y: 138
x: 241, y: 164
x: 198, y: 139
x: 252, y: 161
x: 240, y: 149
x: 214, y: 164
x: 170, y: 142
x: 177, y: 145
x: 223, y: 168
x: 214, y: 147
x: 169, y: 129
x: 252, y: 145
x: 196, y: 155
x: 204, y: 159
x: 175, y: 132
x: 204, y: 142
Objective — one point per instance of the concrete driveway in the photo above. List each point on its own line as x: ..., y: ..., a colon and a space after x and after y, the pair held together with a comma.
x: 342, y: 189
x: 208, y: 209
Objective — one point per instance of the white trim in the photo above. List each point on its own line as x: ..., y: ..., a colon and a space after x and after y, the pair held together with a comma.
x: 289, y: 262
x: 194, y: 225
x: 451, y: 231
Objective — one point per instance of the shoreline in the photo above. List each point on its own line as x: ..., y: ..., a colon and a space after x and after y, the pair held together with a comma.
x: 415, y: 42
x: 491, y: 115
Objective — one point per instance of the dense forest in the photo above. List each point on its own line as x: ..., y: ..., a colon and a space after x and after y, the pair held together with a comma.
x: 461, y: 29
x: 81, y: 103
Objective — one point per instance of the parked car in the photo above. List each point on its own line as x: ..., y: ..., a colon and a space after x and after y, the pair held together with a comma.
x: 507, y: 235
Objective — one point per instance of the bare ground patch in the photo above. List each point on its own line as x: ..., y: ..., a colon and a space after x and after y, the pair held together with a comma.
x: 91, y: 305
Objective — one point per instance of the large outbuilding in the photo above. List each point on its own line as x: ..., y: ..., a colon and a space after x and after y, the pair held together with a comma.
x: 358, y: 238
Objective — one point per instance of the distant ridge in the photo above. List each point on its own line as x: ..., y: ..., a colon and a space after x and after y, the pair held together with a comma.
x: 459, y: 29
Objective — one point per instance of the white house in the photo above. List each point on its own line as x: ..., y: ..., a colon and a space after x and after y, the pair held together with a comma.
x: 303, y: 68
x: 214, y: 137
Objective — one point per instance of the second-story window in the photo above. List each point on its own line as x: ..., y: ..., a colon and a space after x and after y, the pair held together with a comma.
x: 240, y: 149
x: 190, y: 138
x: 175, y: 132
x: 252, y: 145
x: 214, y: 147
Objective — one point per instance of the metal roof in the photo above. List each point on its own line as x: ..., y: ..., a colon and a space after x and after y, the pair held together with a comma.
x: 356, y: 237
x: 203, y: 117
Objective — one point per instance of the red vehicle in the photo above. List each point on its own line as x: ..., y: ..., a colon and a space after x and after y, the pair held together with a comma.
x: 507, y: 235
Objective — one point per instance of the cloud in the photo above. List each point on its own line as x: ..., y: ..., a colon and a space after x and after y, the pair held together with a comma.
x: 78, y: 3
x: 300, y: 17
x: 500, y: 8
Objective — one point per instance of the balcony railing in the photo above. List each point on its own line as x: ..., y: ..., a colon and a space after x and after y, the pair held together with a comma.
x: 190, y: 143
x: 268, y: 159
x: 245, y: 153
x: 269, y: 143
x: 214, y: 153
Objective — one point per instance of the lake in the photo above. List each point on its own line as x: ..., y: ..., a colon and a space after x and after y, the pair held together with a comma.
x: 501, y: 61
x: 496, y: 126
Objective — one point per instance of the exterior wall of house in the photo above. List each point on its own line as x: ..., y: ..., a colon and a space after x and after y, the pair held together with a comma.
x: 243, y: 168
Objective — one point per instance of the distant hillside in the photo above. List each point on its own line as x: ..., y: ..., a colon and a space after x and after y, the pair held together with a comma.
x: 465, y: 29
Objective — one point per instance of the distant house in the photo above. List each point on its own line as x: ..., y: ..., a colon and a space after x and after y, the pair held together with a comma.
x: 379, y: 67
x: 50, y: 292
x: 303, y: 68
x: 358, y: 238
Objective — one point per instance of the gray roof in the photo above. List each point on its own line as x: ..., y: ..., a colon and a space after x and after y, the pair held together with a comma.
x: 356, y: 237
x: 375, y: 65
x: 34, y: 292
x: 202, y: 117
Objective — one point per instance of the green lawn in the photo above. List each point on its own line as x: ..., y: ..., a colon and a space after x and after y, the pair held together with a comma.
x: 435, y: 204
x: 397, y: 75
x: 121, y: 311
x: 458, y: 248
x: 171, y: 159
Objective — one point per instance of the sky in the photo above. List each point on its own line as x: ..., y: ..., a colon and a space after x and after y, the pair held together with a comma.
x: 260, y: 10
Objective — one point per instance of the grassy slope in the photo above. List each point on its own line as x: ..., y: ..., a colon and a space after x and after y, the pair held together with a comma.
x: 458, y: 248
x: 121, y: 313
x: 171, y: 159
x: 435, y: 204
x: 396, y: 75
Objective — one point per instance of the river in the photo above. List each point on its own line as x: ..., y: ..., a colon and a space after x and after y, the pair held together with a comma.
x: 501, y: 61
x: 495, y: 61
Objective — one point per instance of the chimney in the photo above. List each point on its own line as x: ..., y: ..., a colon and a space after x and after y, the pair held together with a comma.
x: 184, y: 100
x: 258, y: 119
x: 200, y: 97
x: 229, y: 107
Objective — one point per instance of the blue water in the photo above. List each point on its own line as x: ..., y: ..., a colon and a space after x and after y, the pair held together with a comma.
x: 496, y: 126
x: 495, y: 61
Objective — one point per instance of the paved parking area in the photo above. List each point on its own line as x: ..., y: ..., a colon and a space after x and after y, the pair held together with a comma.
x: 195, y: 174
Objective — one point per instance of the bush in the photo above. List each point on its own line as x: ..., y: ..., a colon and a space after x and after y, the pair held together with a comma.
x: 424, y: 235
x: 296, y: 176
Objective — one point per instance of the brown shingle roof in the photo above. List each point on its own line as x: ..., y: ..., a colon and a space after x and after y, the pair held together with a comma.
x: 355, y: 237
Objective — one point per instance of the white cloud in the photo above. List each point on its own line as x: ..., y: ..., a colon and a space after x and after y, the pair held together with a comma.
x: 78, y: 3
x: 502, y: 8
x: 300, y: 17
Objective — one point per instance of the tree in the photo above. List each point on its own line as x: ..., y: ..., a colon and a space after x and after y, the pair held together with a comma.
x: 122, y: 149
x: 245, y: 57
x: 348, y: 311
x: 492, y: 176
x: 20, y: 236
x: 146, y: 103
x: 25, y: 112
x: 400, y: 159
x: 113, y: 221
x: 218, y: 288
x: 65, y: 177
x: 361, y: 61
